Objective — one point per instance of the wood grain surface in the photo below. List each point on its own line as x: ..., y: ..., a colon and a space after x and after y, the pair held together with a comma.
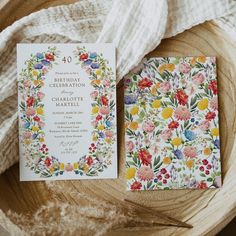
x: 207, y: 210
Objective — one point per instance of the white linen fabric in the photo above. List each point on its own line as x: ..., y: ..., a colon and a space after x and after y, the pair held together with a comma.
x: 136, y: 27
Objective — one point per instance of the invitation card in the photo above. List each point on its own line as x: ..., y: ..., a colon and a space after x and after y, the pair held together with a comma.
x: 67, y: 111
x: 171, y: 121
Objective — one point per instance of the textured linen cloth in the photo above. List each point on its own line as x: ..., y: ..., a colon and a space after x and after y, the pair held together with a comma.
x: 136, y: 27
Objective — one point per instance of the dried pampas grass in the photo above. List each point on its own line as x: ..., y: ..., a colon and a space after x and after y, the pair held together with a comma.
x: 58, y: 218
x: 87, y: 216
x: 74, y: 213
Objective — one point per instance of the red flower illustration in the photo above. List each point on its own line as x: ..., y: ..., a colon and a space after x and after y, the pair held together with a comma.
x: 36, y: 118
x: 182, y: 97
x: 145, y: 83
x: 210, y: 115
x: 136, y: 185
x: 89, y: 160
x: 47, y: 161
x: 83, y: 57
x: 205, y: 162
x: 99, y: 117
x: 173, y: 125
x: 167, y: 176
x: 202, y: 185
x: 159, y: 177
x: 163, y: 171
x: 201, y: 168
x: 145, y: 157
x: 213, y: 86
x: 30, y: 101
x: 104, y: 100
x: 49, y: 57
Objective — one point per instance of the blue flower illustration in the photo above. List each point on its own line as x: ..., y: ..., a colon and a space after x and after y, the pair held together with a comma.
x: 39, y: 55
x: 130, y: 99
x: 95, y: 65
x: 38, y: 66
x: 178, y: 154
x: 108, y: 123
x: 190, y: 135
x: 93, y: 55
x: 27, y: 125
x: 217, y: 143
x: 45, y: 62
x: 88, y: 62
x: 101, y: 134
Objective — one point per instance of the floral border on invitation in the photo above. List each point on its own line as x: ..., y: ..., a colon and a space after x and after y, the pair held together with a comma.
x: 32, y: 117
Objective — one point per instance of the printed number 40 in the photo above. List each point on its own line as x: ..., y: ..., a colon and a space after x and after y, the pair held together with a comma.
x: 67, y: 59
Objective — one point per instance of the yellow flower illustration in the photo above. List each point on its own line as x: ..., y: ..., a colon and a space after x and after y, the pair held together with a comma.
x: 133, y: 125
x: 156, y: 104
x: 86, y: 168
x: 96, y: 81
x: 162, y: 68
x: 27, y: 141
x: 62, y: 166
x: 193, y: 61
x: 158, y: 85
x: 130, y: 173
x: 51, y: 169
x: 101, y: 127
x: 166, y: 160
x: 36, y: 82
x: 170, y: 67
x: 189, y: 163
x: 35, y: 128
x: 35, y: 73
x: 54, y: 165
x: 95, y: 110
x: 39, y: 110
x: 41, y: 83
x: 75, y: 165
x: 98, y: 72
x: 41, y: 140
x: 201, y: 59
x: 167, y: 112
x: 108, y: 140
x: 202, y: 104
x: 176, y: 141
x: 153, y: 90
x: 207, y: 151
x: 134, y: 110
x: 215, y: 132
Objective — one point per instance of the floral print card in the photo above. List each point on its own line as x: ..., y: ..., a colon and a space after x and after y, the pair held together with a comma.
x: 67, y: 111
x: 171, y: 122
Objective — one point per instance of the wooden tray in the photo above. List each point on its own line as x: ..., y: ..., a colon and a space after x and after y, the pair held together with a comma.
x: 207, y: 210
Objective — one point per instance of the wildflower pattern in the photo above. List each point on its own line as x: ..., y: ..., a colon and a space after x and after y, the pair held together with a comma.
x: 171, y: 122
